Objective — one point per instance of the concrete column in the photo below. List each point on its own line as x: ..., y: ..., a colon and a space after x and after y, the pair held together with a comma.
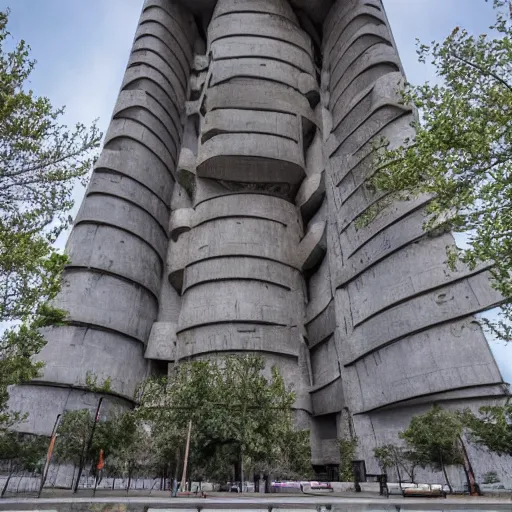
x: 398, y: 320
x: 119, y: 241
x: 238, y: 252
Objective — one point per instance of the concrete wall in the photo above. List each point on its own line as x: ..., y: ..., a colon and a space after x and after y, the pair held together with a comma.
x: 221, y: 218
x: 400, y: 322
x: 118, y: 246
x: 238, y: 246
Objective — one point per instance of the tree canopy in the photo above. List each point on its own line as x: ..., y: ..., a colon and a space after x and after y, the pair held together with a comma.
x: 403, y: 460
x: 492, y: 428
x: 435, y: 439
x: 238, y: 413
x: 41, y: 161
x: 22, y: 453
x: 461, y: 154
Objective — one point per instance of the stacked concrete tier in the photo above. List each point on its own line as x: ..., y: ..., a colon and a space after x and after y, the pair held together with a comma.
x: 119, y: 241
x: 237, y: 248
x: 399, y: 322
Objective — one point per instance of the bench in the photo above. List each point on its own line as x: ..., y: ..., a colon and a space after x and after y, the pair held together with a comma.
x: 428, y: 491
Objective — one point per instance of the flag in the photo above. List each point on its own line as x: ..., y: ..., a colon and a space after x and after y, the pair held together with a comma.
x: 101, y: 462
x: 49, y: 454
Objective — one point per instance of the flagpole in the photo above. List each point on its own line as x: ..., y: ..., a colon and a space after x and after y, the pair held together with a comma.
x: 185, y: 461
x: 89, y: 444
x: 49, y: 454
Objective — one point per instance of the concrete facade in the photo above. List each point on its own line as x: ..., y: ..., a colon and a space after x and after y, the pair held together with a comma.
x: 221, y: 218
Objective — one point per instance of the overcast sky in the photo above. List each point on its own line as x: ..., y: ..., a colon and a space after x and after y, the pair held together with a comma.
x: 82, y: 46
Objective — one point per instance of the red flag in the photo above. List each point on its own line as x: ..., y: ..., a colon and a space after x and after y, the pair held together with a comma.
x: 101, y: 462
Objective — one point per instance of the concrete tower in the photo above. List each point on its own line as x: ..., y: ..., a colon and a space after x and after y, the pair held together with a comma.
x: 221, y: 218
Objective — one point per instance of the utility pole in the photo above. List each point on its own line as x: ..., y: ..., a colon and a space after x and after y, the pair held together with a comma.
x: 185, y: 460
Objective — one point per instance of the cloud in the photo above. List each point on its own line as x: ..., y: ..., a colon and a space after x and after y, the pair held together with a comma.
x: 82, y: 48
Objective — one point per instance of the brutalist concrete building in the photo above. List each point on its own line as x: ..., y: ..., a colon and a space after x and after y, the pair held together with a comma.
x: 221, y: 218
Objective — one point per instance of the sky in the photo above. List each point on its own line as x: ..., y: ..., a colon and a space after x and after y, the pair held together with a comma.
x: 82, y: 47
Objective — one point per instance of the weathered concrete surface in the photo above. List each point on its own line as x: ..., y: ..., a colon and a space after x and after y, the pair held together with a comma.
x: 222, y: 216
x: 119, y: 243
x: 400, y: 323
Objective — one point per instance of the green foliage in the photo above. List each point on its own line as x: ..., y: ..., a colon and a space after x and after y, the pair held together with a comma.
x: 17, y: 346
x: 23, y: 452
x: 40, y: 163
x: 40, y: 158
x: 289, y: 456
x: 492, y: 428
x: 121, y: 437
x: 403, y: 460
x: 236, y: 411
x: 385, y: 456
x: 126, y: 444
x: 435, y: 438
x: 92, y: 384
x: 461, y: 155
x: 73, y: 435
x: 491, y: 478
x: 347, y: 453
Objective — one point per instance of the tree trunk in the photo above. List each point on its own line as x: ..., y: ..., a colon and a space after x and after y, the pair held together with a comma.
x: 178, y: 462
x: 129, y: 481
x: 443, y: 467
x: 268, y: 482
x: 237, y: 473
x: 399, y: 476
x: 468, y: 470
x: 113, y: 483
x: 413, y: 468
x: 241, y: 469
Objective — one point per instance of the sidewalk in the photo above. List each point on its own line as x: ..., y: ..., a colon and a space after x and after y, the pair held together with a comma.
x: 259, y: 504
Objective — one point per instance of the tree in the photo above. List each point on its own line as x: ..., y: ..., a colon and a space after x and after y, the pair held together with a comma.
x: 121, y: 437
x: 398, y: 457
x: 288, y: 456
x: 166, y: 446
x: 40, y: 163
x: 131, y: 446
x: 461, y: 154
x: 491, y: 477
x: 347, y: 452
x: 435, y: 437
x: 238, y: 414
x: 492, y: 428
x: 16, y: 348
x: 73, y: 436
x: 22, y: 452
